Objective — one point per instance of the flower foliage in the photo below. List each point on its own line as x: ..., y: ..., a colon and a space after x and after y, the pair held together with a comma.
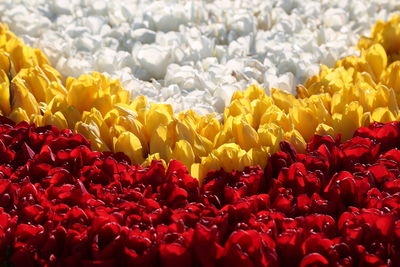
x: 62, y: 204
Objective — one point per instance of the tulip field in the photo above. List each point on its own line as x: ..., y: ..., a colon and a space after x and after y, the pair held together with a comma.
x: 199, y: 133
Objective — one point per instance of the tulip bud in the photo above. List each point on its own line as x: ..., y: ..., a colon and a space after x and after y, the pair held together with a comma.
x: 21, y: 97
x: 244, y: 134
x: 4, y: 93
x: 91, y: 132
x: 129, y: 144
x: 377, y: 60
x: 57, y: 119
x: 19, y: 115
x: 183, y: 152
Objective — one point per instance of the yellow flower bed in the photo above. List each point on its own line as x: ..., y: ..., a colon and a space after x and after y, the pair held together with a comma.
x: 355, y: 92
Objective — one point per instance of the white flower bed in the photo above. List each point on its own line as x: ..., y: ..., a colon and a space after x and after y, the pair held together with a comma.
x: 194, y: 54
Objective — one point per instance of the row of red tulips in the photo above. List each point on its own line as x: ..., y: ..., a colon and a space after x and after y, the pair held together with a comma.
x: 62, y: 204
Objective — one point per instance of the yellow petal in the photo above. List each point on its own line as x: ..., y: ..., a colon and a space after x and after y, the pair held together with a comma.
x: 270, y: 136
x: 209, y: 127
x: 275, y: 115
x: 134, y: 126
x: 159, y: 143
x: 296, y: 139
x: 129, y: 144
x: 82, y: 92
x: 245, y: 135
x: 184, y: 153
x: 19, y: 115
x: 57, y: 120
x: 323, y: 129
x: 21, y: 97
x: 377, y: 60
x: 4, y: 93
x: 159, y: 114
x: 383, y: 114
x: 91, y: 132
x: 94, y: 117
x: 304, y: 121
x: 282, y: 99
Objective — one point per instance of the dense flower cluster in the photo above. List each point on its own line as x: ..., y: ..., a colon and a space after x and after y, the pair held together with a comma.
x: 358, y: 91
x: 207, y: 192
x: 62, y: 203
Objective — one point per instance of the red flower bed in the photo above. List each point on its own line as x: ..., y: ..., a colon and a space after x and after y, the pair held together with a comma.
x: 62, y: 204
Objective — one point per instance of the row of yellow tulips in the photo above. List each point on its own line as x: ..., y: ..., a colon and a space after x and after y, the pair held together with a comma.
x: 357, y: 91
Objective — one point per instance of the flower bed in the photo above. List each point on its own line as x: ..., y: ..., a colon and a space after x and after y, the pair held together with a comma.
x: 64, y: 204
x: 266, y: 185
x: 200, y: 52
x: 356, y: 92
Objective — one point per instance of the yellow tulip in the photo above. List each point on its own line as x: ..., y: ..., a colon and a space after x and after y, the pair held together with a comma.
x: 270, y: 136
x: 377, y: 60
x: 37, y: 119
x: 94, y: 117
x: 19, y: 115
x: 254, y: 92
x: 239, y: 107
x: 383, y: 114
x: 22, y: 97
x: 5, y: 62
x: 150, y: 158
x: 57, y: 120
x: 129, y: 123
x: 39, y: 85
x: 245, y: 135
x: 129, y: 144
x: 82, y: 91
x: 282, y: 99
x: 391, y: 76
x: 183, y: 152
x: 349, y: 121
x: 232, y: 157
x: 158, y: 114
x: 228, y: 156
x: 296, y: 139
x: 209, y: 127
x: 323, y: 129
x: 275, y: 115
x: 53, y: 76
x: 385, y: 33
x: 4, y: 93
x: 357, y: 91
x: 160, y: 142
x: 304, y: 120
x: 139, y: 104
x: 92, y: 132
x: 259, y: 107
x: 71, y: 114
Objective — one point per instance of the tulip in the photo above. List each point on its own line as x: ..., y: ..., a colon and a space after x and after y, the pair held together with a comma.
x: 183, y: 152
x: 129, y: 144
x: 92, y: 132
x: 57, y: 120
x: 5, y: 63
x: 22, y: 97
x: 19, y: 115
x: 63, y: 203
x: 41, y: 87
x: 4, y: 93
x: 161, y: 143
x: 385, y: 33
x: 376, y: 59
x: 357, y: 91
x: 270, y: 135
